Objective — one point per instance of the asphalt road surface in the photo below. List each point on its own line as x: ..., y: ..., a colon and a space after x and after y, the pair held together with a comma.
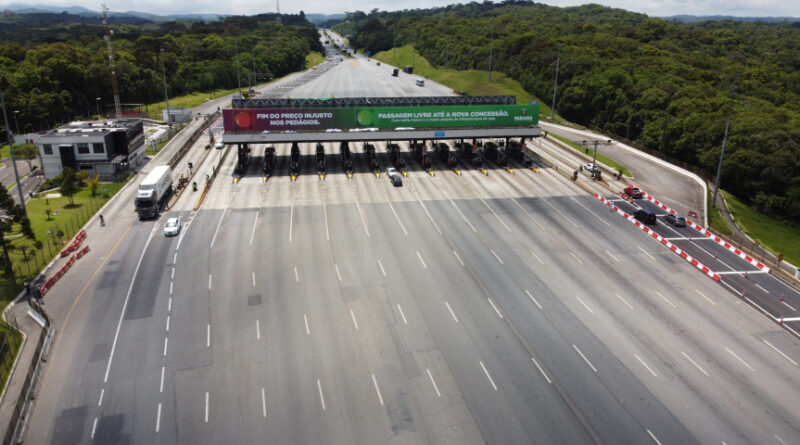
x: 508, y: 308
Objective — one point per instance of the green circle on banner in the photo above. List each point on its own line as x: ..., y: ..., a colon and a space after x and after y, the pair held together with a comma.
x: 365, y: 117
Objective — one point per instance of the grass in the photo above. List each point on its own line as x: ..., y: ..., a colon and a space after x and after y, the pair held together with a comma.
x: 600, y: 157
x: 187, y: 101
x: 5, y: 151
x: 716, y: 221
x: 771, y: 233
x: 10, y: 341
x: 314, y: 58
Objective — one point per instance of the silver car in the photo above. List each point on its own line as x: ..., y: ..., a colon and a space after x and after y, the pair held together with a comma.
x: 676, y: 219
x: 172, y: 227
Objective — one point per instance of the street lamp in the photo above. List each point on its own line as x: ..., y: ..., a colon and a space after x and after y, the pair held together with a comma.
x: 11, y: 149
x: 16, y: 123
x: 166, y: 96
x: 97, y: 102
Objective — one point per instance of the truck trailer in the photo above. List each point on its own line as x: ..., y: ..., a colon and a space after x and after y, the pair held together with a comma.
x: 154, y: 191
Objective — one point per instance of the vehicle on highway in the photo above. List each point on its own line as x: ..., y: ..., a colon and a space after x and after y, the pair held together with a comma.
x: 420, y: 83
x: 172, y: 227
x: 633, y: 192
x: 219, y: 144
x: 591, y: 167
x: 676, y: 219
x: 645, y: 216
x: 391, y: 171
x: 397, y: 180
x: 154, y: 191
x: 395, y: 72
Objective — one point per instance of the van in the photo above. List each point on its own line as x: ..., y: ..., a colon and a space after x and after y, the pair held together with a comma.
x: 420, y: 83
x: 645, y: 216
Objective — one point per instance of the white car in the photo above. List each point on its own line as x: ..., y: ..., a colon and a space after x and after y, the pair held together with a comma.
x: 391, y: 171
x: 591, y: 167
x: 219, y: 144
x: 172, y: 227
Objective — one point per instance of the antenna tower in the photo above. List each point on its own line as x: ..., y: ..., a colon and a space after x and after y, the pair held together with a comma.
x: 278, y: 11
x: 111, y: 65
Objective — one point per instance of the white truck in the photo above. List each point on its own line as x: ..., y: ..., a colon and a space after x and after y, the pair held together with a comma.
x: 154, y: 192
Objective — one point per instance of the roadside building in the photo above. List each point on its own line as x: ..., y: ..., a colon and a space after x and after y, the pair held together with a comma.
x: 108, y: 148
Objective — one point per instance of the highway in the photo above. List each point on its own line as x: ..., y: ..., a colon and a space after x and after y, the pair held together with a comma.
x: 508, y: 308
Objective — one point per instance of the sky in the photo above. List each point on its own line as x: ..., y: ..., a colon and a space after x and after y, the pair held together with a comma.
x: 659, y: 8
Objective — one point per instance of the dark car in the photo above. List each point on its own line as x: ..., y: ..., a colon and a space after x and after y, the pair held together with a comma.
x: 645, y: 216
x: 397, y: 181
x: 676, y: 219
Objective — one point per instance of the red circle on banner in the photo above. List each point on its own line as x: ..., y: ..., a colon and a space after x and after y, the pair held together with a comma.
x: 243, y: 119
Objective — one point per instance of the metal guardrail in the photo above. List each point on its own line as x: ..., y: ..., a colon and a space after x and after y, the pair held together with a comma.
x: 341, y: 102
x: 192, y: 139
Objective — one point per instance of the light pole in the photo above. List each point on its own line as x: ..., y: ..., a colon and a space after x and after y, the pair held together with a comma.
x: 11, y: 149
x: 722, y: 154
x: 238, y: 72
x: 491, y: 48
x: 166, y: 96
x: 97, y: 102
x: 16, y: 123
x: 555, y: 85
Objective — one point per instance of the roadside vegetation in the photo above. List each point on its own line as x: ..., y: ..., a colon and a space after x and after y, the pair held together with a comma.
x: 770, y: 233
x: 716, y: 222
x: 600, y: 157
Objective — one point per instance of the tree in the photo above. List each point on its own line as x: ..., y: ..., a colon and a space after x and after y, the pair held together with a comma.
x: 69, y: 184
x: 26, y: 152
x: 13, y: 214
x: 93, y: 183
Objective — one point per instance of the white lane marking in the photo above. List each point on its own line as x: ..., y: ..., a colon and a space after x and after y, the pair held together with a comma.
x: 591, y: 212
x: 779, y: 352
x: 338, y: 275
x: 321, y: 397
x: 353, y: 316
x: 653, y: 436
x: 209, y: 281
x: 695, y: 364
x: 421, y: 260
x: 435, y: 387
x: 94, y: 427
x: 253, y: 234
x: 158, y: 417
x: 398, y: 218
x: 172, y: 275
x: 325, y: 214
x: 175, y: 258
x: 402, y: 314
x: 208, y: 335
x: 495, y: 308
x: 665, y: 299
x: 779, y: 439
x: 533, y: 299
x: 623, y: 300
x: 612, y: 256
x: 125, y: 304
x: 258, y: 329
x: 762, y: 288
x: 537, y: 257
x: 291, y: 218
x: 585, y: 305
x: 789, y: 306
x: 488, y: 376
x: 451, y: 311
x: 263, y: 403
x: 377, y: 390
x: 646, y: 253
x: 584, y: 358
x: 169, y: 304
x: 458, y: 257
x: 161, y: 386
x: 429, y: 215
x: 213, y: 238
x: 541, y: 370
x: 363, y: 219
x: 166, y: 341
x: 495, y: 255
x: 167, y: 323
x: 170, y: 287
x: 305, y: 319
x: 206, y: 407
x: 464, y: 217
x: 645, y: 365
x: 740, y: 359
x: 707, y: 299
x: 576, y: 258
x: 254, y: 279
x: 527, y: 214
x: 495, y: 214
x: 296, y: 275
x: 383, y: 271
x: 100, y: 402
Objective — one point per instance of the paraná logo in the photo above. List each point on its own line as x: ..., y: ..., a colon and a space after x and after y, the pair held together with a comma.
x: 243, y: 119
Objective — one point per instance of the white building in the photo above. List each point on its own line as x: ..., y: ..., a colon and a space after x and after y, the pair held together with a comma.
x: 108, y: 148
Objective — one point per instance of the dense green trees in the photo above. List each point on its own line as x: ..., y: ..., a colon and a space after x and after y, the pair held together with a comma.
x: 56, y: 81
x: 664, y: 85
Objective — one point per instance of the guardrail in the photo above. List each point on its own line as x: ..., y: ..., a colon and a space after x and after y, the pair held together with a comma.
x: 211, y: 118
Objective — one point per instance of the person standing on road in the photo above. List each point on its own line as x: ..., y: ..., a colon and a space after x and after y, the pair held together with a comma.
x: 102, y: 221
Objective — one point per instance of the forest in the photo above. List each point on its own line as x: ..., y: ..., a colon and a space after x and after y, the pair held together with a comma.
x: 54, y: 73
x: 664, y: 85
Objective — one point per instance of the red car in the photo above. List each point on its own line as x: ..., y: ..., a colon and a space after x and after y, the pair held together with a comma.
x: 633, y: 192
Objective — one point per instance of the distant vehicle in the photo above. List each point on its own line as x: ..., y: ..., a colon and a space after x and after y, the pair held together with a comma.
x: 420, y: 83
x: 219, y: 145
x: 633, y: 192
x: 408, y: 69
x: 397, y: 180
x: 590, y: 167
x: 391, y: 171
x: 395, y: 72
x: 645, y: 216
x: 327, y: 42
x: 378, y: 63
x: 676, y: 219
x: 172, y: 227
x: 154, y: 191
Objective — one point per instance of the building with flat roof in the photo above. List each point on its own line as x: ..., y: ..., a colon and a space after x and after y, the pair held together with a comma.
x: 108, y: 148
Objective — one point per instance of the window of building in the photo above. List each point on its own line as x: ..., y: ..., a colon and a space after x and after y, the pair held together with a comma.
x: 83, y: 149
x: 48, y: 149
x: 86, y: 167
x: 98, y: 148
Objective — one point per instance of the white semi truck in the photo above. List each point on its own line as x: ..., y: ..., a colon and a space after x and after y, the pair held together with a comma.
x: 154, y: 192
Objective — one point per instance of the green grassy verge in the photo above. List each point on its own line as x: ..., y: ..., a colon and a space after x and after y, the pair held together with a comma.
x: 715, y: 219
x: 10, y: 341
x: 187, y: 101
x: 5, y: 151
x: 771, y: 233
x: 314, y: 58
x: 600, y: 157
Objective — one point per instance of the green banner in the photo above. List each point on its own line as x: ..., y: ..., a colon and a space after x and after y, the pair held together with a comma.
x: 449, y: 116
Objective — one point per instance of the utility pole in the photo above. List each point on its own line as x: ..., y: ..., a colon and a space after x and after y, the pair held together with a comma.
x: 166, y: 96
x: 238, y: 72
x: 13, y: 159
x: 112, y: 66
x: 394, y: 42
x: 491, y: 47
x: 555, y: 85
x: 253, y: 58
x: 722, y: 154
